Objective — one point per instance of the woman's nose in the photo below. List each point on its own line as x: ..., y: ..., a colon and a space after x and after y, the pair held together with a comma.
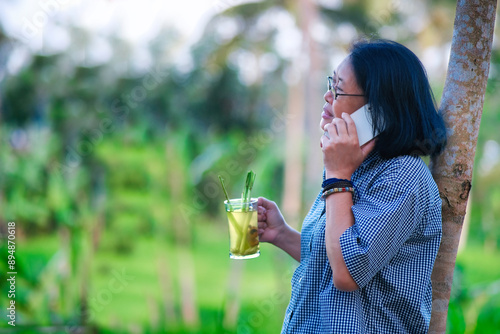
x: 328, y: 96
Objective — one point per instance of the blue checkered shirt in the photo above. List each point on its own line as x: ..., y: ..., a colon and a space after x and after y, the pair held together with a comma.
x: 389, y: 251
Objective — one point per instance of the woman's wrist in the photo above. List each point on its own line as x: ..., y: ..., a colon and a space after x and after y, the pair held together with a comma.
x: 282, y: 236
x: 288, y: 240
x: 338, y: 175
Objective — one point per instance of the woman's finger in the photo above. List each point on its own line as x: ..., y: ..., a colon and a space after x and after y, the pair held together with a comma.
x: 328, y: 130
x: 340, y: 126
x: 350, y: 125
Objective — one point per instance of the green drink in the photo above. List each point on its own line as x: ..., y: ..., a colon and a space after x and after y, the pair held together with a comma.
x: 243, y: 233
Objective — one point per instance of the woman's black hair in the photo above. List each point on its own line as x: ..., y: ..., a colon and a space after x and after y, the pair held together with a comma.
x: 401, y: 102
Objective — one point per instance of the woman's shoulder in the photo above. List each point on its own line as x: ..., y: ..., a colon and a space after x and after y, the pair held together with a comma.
x: 407, y: 164
x: 408, y: 171
x: 398, y: 167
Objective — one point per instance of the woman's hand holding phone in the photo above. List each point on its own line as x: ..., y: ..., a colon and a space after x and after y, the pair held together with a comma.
x: 342, y: 153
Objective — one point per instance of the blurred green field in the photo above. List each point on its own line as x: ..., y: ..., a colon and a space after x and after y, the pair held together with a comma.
x: 262, y: 287
x: 148, y: 260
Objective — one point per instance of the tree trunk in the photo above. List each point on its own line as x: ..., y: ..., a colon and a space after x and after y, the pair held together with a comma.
x: 461, y: 105
x: 294, y: 143
x: 304, y: 110
x: 315, y: 87
x: 293, y: 153
x: 182, y: 231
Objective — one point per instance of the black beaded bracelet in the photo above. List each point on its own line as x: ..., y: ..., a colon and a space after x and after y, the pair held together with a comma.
x: 339, y: 184
x: 334, y: 180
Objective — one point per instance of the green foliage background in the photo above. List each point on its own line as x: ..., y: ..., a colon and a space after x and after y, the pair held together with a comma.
x: 110, y: 176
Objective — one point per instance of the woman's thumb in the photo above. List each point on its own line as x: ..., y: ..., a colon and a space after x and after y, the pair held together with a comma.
x: 264, y: 202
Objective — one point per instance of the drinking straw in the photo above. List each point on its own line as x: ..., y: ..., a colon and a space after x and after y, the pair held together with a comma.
x: 232, y: 220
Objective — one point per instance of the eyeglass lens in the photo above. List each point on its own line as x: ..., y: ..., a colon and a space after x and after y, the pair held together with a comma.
x: 331, y: 87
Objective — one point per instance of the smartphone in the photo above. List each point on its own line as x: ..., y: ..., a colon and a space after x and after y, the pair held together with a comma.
x: 362, y: 119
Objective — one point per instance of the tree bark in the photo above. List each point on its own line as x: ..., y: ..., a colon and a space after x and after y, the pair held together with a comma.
x: 461, y: 106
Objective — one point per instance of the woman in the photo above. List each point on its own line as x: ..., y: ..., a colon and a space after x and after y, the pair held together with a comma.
x: 367, y: 248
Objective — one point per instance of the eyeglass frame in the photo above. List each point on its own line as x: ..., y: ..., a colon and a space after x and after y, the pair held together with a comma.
x: 332, y: 88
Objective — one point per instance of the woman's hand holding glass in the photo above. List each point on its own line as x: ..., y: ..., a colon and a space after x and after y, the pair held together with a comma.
x: 270, y: 220
x: 273, y: 228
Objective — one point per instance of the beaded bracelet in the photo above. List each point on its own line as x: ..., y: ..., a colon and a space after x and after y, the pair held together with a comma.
x: 336, y: 190
x: 334, y: 180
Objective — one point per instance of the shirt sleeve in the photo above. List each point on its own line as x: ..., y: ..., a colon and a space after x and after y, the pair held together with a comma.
x: 385, y: 217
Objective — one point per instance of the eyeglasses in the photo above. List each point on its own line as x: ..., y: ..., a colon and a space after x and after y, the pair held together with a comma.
x: 332, y: 87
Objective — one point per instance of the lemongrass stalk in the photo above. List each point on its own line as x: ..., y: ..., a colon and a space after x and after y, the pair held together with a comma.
x: 234, y: 223
x: 246, y: 204
x: 245, y: 232
x: 248, y: 189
